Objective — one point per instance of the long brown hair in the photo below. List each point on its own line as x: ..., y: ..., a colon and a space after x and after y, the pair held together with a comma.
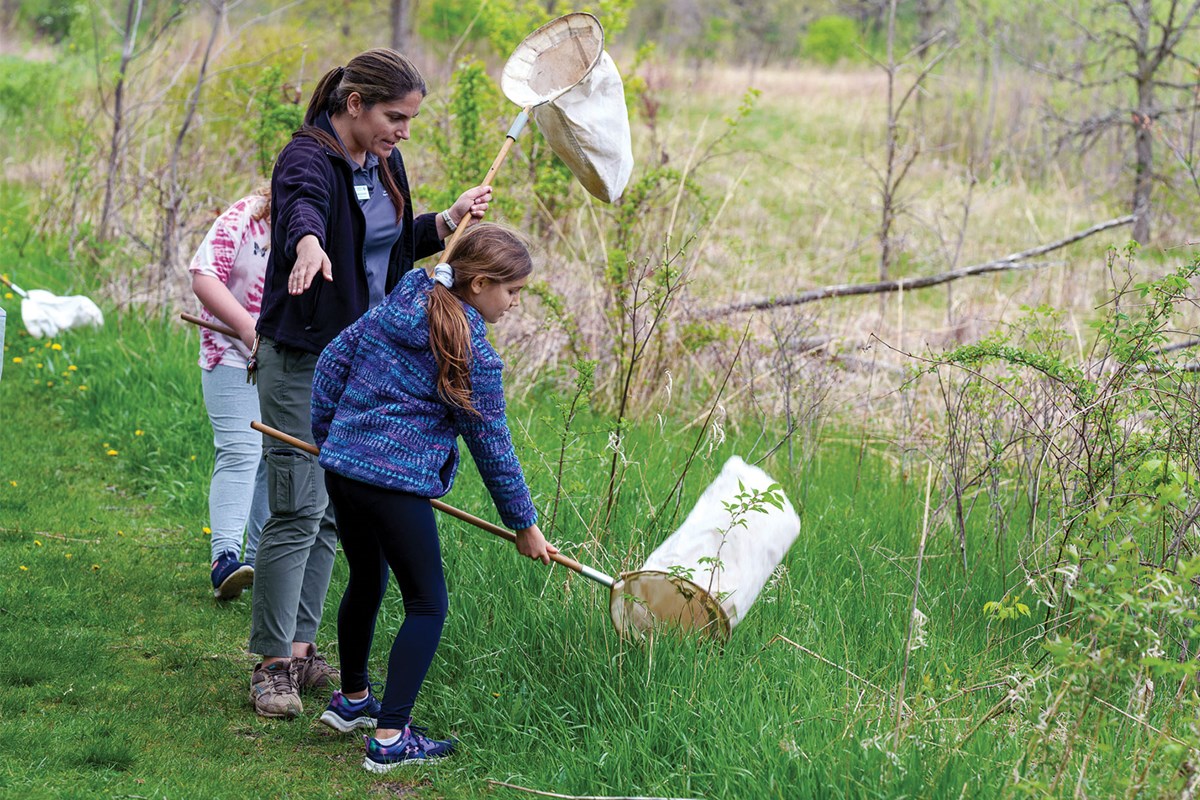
x: 379, y: 76
x: 487, y: 250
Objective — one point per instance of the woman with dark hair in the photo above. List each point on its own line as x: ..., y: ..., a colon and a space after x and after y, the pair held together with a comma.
x: 391, y: 395
x: 341, y: 209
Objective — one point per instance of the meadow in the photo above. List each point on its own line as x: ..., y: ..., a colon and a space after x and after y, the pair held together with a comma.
x: 122, y: 677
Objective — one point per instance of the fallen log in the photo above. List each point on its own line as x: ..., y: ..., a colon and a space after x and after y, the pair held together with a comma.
x: 1011, y: 263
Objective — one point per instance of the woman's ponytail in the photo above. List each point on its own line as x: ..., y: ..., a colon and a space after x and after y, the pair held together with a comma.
x: 322, y: 94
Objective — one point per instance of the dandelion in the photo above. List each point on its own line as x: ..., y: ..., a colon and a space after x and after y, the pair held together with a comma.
x: 68, y: 555
x: 40, y: 365
x: 138, y: 432
x: 95, y: 567
x: 37, y: 542
x: 8, y: 295
x: 56, y: 346
x: 193, y: 458
x: 207, y: 530
x: 49, y: 383
x: 72, y: 368
x: 24, y: 568
x: 120, y: 533
x: 12, y: 483
x: 18, y: 360
x: 83, y: 387
x: 110, y: 452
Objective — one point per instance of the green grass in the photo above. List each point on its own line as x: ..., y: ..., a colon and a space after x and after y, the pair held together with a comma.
x: 123, y: 677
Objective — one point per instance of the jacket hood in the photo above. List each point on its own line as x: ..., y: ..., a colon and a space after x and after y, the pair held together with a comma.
x: 405, y: 312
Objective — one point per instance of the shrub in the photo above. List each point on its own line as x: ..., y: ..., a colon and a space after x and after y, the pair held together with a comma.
x: 830, y: 40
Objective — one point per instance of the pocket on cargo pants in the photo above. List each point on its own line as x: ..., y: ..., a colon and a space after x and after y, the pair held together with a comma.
x: 294, y: 483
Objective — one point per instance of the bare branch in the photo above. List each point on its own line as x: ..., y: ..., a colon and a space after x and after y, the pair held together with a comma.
x: 1010, y: 263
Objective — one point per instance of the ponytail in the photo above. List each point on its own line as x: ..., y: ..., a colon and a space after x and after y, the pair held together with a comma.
x: 450, y: 341
x: 485, y: 250
x: 322, y: 94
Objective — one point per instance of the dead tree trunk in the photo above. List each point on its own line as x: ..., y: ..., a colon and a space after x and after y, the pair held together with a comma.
x: 1143, y: 125
x: 401, y: 27
x: 133, y: 17
x: 172, y: 189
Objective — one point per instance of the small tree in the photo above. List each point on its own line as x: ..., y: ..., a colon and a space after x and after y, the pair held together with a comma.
x: 1136, y: 57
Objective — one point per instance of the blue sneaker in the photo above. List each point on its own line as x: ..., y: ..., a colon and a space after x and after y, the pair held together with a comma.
x: 413, y: 747
x: 230, y: 576
x: 344, y: 717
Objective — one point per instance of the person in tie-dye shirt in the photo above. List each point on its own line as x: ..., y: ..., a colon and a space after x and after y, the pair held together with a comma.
x: 227, y: 276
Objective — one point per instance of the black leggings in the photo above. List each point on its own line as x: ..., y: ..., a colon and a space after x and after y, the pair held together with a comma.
x: 382, y: 528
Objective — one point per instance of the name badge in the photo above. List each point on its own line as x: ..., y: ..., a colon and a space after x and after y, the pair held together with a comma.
x: 362, y: 192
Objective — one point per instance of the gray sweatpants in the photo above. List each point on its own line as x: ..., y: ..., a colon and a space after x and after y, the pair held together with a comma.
x: 297, y: 545
x: 237, y: 494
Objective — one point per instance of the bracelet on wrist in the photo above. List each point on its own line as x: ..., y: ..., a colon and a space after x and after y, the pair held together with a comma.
x: 450, y: 223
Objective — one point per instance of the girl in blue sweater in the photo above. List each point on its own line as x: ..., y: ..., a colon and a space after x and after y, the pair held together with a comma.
x: 391, y: 395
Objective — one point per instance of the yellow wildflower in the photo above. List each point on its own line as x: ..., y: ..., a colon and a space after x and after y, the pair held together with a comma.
x: 207, y: 530
x: 37, y: 542
x: 24, y: 568
x: 72, y: 368
x: 56, y: 346
x: 110, y: 452
x: 18, y: 360
x: 138, y: 432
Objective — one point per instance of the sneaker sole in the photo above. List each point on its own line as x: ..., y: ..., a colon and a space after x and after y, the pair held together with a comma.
x: 380, y: 769
x: 233, y: 586
x: 342, y: 726
x: 274, y: 715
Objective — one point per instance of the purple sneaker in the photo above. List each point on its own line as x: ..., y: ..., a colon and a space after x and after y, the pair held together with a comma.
x: 413, y: 747
x: 344, y: 715
x: 230, y: 576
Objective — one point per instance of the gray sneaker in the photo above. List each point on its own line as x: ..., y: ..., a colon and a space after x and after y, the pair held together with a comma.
x: 273, y: 690
x: 313, y: 671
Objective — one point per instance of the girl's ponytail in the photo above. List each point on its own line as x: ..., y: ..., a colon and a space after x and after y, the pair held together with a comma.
x: 450, y: 341
x: 485, y: 250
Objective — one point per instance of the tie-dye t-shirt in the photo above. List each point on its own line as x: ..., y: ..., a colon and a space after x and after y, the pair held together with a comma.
x: 235, y: 253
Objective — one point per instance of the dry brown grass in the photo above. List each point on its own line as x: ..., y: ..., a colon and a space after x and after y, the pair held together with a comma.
x: 804, y: 207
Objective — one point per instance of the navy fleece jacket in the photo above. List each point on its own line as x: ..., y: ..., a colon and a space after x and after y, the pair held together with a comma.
x: 312, y: 192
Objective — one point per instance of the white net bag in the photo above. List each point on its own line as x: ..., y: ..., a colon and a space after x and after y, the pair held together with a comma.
x: 588, y: 128
x: 574, y: 89
x: 708, y: 573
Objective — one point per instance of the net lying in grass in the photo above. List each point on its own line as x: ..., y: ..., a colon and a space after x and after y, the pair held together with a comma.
x: 708, y: 573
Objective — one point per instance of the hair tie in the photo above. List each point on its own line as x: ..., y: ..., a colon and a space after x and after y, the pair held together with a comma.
x: 444, y: 274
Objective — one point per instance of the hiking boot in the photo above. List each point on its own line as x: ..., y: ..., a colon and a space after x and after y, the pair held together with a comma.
x: 273, y: 691
x: 313, y: 671
x: 345, y: 715
x: 413, y: 747
x: 230, y: 576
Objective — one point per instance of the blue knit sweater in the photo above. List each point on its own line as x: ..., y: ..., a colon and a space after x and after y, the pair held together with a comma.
x: 377, y: 416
